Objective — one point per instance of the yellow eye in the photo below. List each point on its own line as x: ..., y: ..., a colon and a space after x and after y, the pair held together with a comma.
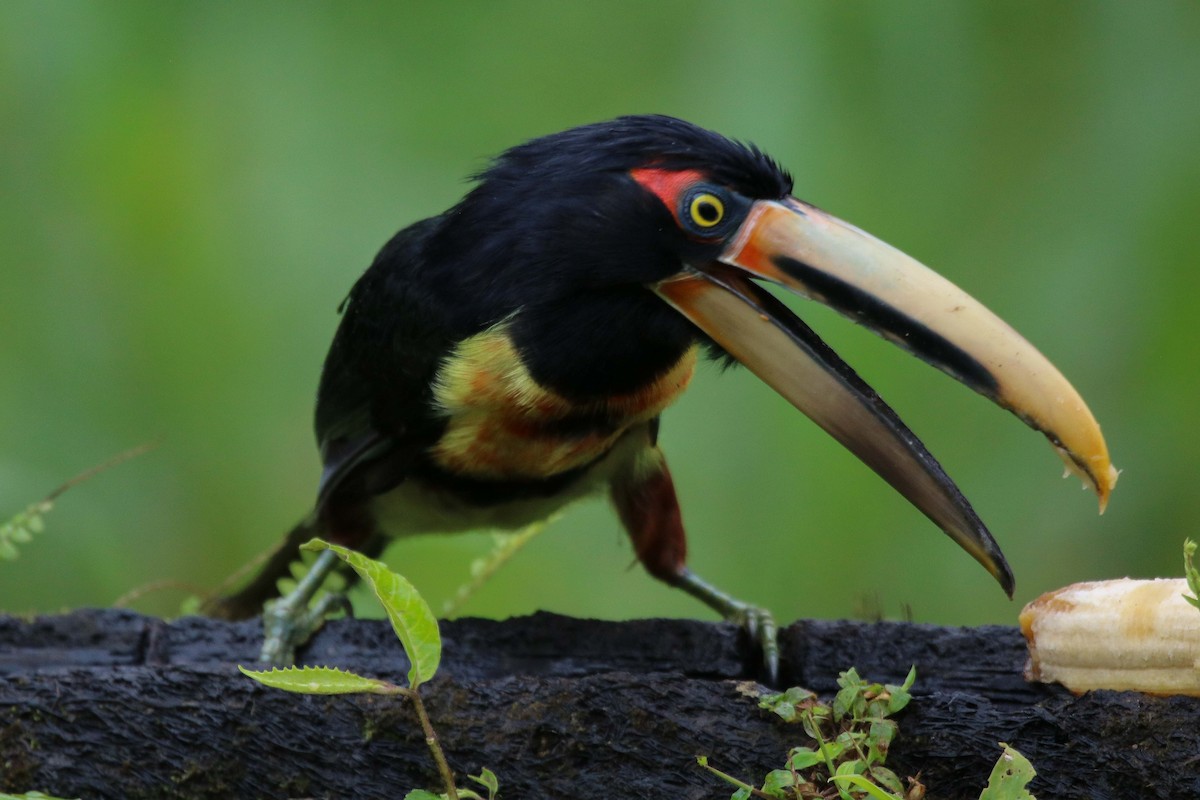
x: 706, y: 210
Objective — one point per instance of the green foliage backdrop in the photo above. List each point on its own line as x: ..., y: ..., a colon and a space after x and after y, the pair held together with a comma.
x: 187, y: 190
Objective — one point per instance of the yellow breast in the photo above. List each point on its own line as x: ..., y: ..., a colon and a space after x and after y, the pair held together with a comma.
x: 503, y: 425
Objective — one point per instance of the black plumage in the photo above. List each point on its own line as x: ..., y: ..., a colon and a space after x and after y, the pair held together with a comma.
x: 514, y: 353
x: 558, y: 238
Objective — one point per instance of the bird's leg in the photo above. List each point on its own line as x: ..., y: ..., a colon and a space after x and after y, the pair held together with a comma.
x: 289, y: 621
x: 757, y: 621
x: 644, y: 496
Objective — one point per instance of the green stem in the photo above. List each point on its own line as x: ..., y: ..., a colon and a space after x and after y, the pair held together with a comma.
x: 509, y: 546
x: 816, y: 728
x: 431, y: 739
x: 87, y: 474
x: 725, y: 776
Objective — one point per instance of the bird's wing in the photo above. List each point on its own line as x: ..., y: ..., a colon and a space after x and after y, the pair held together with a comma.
x: 374, y: 415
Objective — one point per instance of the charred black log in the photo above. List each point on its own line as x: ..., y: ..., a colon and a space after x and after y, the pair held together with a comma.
x: 109, y: 704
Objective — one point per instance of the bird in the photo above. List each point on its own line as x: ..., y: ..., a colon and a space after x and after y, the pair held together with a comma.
x: 500, y: 360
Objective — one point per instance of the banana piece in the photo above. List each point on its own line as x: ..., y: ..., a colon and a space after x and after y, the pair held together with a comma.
x: 1138, y: 635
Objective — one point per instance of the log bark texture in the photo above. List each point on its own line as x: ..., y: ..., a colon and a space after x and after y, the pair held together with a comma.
x: 111, y: 704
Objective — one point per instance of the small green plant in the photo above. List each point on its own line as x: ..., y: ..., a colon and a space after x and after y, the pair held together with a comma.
x: 851, y: 740
x: 417, y: 630
x: 486, y: 778
x: 20, y: 528
x: 1191, y: 573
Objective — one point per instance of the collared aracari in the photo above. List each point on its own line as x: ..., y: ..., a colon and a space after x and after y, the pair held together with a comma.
x: 515, y: 353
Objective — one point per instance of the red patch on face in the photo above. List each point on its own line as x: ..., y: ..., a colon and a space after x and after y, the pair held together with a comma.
x: 667, y: 184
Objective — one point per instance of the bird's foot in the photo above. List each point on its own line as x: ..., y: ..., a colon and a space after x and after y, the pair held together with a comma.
x: 291, y: 620
x: 286, y: 627
x: 760, y: 626
x: 757, y: 622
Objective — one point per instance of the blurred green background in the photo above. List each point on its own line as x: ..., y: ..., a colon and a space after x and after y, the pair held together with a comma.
x: 187, y: 190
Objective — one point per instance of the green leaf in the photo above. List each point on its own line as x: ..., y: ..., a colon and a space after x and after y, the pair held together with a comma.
x: 822, y: 712
x: 899, y: 694
x: 862, y: 784
x: 882, y: 732
x: 411, y: 618
x: 1009, y: 776
x: 849, y: 679
x: 190, y: 606
x: 487, y: 779
x: 422, y: 794
x: 785, y: 704
x: 1191, y: 573
x: 811, y: 725
x: 318, y: 680
x: 832, y: 750
x: 777, y: 780
x: 785, y: 710
x: 886, y: 778
x: 804, y: 757
x: 848, y: 700
x: 796, y: 695
x: 740, y: 794
x: 27, y: 796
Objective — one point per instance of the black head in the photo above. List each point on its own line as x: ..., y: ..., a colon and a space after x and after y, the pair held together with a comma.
x: 627, y: 143
x: 567, y: 213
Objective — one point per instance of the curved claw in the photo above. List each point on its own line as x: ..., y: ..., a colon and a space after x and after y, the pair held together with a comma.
x: 760, y: 625
x: 758, y: 622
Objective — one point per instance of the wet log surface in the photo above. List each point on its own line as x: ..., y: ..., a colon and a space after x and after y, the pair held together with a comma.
x: 111, y: 704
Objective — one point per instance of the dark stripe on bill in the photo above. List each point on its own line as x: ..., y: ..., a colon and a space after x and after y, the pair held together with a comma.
x: 869, y: 310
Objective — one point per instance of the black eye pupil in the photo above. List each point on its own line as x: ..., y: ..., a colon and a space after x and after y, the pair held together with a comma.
x: 708, y: 212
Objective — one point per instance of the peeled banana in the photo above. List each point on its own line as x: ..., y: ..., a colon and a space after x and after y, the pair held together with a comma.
x: 1137, y: 635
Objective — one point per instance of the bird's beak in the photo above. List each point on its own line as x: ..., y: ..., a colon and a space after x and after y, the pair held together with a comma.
x: 816, y: 255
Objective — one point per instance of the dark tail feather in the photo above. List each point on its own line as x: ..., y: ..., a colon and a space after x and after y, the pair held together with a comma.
x: 248, y: 601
